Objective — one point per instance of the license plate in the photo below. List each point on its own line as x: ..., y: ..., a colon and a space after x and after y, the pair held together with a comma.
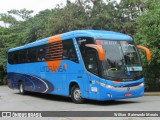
x: 128, y: 94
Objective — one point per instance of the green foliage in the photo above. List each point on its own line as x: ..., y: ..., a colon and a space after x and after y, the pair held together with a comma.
x: 148, y: 34
x: 23, y: 13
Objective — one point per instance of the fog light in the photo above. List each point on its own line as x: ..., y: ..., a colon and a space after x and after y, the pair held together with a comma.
x: 109, y: 95
x: 142, y: 84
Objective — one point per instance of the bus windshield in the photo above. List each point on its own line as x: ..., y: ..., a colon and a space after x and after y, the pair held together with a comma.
x: 122, y: 60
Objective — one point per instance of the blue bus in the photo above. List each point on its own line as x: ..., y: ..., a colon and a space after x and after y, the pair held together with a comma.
x: 83, y: 64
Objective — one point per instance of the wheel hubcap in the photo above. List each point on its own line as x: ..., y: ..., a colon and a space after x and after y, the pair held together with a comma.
x: 77, y: 94
x: 21, y: 88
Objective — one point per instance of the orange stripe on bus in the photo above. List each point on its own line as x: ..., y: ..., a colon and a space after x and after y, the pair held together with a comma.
x: 53, y: 39
x: 54, y: 64
x: 116, y: 82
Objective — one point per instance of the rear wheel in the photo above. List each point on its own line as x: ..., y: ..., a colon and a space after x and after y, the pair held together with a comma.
x: 76, y: 95
x: 21, y: 88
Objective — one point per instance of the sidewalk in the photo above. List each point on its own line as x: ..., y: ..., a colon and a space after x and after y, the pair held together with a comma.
x: 152, y: 93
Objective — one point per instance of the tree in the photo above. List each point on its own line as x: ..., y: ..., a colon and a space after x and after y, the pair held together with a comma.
x: 7, y: 19
x: 23, y: 13
x: 148, y: 34
x: 11, y: 36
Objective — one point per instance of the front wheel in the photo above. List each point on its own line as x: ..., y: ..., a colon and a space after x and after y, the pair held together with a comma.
x: 21, y: 88
x: 76, y: 95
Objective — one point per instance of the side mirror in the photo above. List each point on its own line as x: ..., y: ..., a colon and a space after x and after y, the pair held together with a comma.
x: 148, y: 52
x: 99, y: 49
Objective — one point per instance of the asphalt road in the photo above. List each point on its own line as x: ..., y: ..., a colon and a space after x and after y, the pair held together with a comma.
x: 11, y: 100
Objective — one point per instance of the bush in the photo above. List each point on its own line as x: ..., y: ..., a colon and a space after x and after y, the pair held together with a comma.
x: 4, y: 81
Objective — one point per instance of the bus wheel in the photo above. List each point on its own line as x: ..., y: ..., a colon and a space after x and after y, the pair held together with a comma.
x: 21, y: 88
x: 76, y: 95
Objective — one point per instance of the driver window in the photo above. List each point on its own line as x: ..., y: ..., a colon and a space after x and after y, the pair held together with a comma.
x: 82, y: 41
x: 91, y: 62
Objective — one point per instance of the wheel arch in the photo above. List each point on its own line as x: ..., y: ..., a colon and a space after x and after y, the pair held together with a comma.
x: 73, y: 83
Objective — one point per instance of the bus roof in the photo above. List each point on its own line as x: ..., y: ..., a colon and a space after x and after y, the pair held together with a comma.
x: 96, y: 34
x: 99, y: 34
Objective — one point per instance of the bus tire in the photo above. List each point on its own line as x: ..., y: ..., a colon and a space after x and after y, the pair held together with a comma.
x: 21, y: 88
x: 76, y: 95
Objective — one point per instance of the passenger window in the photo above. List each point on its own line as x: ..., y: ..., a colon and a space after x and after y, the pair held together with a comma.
x: 53, y: 51
x: 22, y: 56
x: 69, y: 52
x: 41, y: 53
x: 32, y: 55
x: 15, y: 57
x: 10, y: 57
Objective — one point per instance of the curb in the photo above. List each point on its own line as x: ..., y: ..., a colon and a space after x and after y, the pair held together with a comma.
x: 152, y: 94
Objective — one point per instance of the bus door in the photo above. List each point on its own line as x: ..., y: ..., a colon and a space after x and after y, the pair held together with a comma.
x: 92, y: 66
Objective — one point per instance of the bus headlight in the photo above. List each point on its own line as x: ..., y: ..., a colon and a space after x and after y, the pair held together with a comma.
x: 102, y: 84
x: 105, y: 85
x: 109, y: 86
x: 142, y: 84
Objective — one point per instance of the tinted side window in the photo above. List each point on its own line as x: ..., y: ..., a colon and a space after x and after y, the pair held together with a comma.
x: 29, y: 55
x: 54, y: 51
x: 16, y: 56
x: 41, y: 53
x: 32, y: 55
x: 69, y: 51
x: 22, y: 56
x: 10, y: 57
x: 13, y: 57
